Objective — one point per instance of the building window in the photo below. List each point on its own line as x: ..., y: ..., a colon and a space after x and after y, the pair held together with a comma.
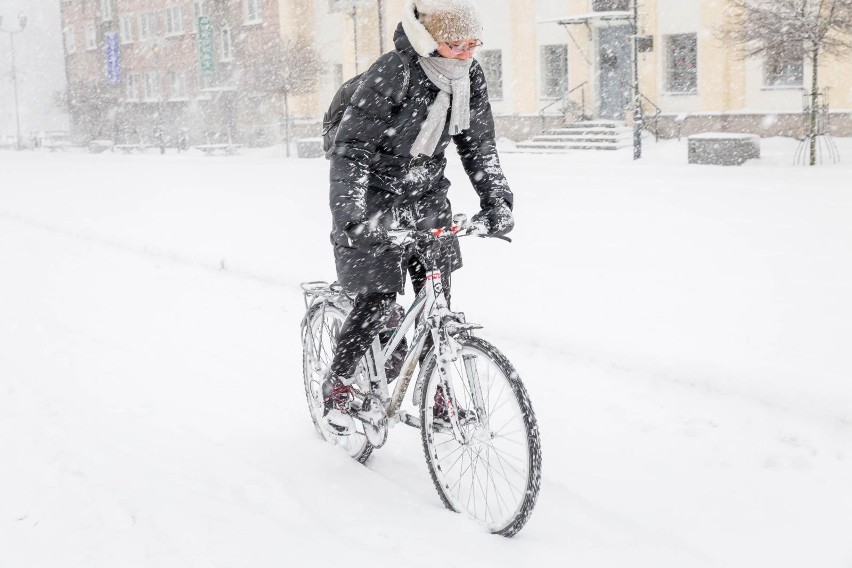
x: 125, y: 29
x: 682, y: 63
x: 197, y: 12
x: 554, y: 71
x: 252, y: 11
x: 177, y: 80
x: 492, y: 65
x: 174, y: 20
x: 227, y: 47
x: 131, y: 92
x: 70, y: 40
x: 204, y: 82
x: 610, y: 5
x: 783, y: 68
x: 152, y: 86
x: 90, y: 36
x: 147, y: 26
x: 106, y: 10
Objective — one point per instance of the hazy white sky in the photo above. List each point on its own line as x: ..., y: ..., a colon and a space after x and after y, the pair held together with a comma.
x: 40, y: 65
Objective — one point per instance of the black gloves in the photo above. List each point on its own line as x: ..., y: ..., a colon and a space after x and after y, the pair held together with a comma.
x: 367, y: 238
x: 498, y: 219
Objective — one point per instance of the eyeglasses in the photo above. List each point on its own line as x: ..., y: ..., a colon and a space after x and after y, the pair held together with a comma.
x: 465, y: 46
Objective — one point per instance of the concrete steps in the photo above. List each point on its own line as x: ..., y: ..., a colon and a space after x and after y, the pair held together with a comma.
x: 587, y: 135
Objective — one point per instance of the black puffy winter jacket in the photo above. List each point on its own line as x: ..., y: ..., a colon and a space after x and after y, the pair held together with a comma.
x: 375, y: 180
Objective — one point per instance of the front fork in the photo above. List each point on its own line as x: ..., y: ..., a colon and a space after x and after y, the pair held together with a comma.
x: 448, y: 353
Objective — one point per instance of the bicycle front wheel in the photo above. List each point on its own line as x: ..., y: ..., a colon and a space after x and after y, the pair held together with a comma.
x: 487, y: 465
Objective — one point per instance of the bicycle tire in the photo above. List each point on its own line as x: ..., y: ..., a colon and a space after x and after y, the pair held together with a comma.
x: 517, y: 513
x: 356, y: 444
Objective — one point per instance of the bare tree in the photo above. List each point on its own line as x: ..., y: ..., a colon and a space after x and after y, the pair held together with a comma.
x: 289, y: 68
x: 92, y: 106
x: 791, y: 30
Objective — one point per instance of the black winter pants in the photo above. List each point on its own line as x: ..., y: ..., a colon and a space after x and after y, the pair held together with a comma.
x: 368, y: 317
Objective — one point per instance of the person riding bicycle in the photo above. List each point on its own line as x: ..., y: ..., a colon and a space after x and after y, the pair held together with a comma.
x: 387, y: 172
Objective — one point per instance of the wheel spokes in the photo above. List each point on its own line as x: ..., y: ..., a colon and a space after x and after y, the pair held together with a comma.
x: 487, y: 476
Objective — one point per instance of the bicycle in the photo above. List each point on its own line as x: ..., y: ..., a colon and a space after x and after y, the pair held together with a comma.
x: 482, y: 446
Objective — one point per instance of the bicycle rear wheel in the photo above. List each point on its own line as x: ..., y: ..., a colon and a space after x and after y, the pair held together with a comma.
x: 319, y: 340
x: 494, y: 475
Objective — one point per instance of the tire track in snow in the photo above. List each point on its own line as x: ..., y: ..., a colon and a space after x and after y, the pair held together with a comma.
x: 222, y: 265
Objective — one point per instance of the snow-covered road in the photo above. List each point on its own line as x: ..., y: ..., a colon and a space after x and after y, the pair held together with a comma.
x: 682, y: 332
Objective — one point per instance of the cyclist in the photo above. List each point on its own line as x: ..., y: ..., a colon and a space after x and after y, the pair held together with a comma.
x: 387, y: 172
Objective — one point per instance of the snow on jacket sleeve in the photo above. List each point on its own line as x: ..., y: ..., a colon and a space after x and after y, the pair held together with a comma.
x: 364, y: 124
x: 478, y: 149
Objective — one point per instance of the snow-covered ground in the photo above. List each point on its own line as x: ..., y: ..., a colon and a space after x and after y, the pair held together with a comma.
x: 683, y: 331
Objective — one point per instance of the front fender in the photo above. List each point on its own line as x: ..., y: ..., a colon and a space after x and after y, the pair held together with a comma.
x: 417, y: 393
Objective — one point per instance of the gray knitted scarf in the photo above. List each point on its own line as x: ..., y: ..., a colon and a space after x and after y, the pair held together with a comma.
x: 452, y: 76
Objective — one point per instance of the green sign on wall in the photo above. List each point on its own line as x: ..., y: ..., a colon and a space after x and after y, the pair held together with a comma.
x: 205, y: 45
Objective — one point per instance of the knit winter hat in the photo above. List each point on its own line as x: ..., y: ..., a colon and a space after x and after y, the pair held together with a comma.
x: 449, y: 20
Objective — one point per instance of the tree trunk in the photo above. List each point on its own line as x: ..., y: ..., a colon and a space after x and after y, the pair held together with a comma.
x: 286, y: 125
x: 814, y: 101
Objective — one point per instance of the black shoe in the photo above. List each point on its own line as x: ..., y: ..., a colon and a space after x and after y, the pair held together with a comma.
x: 337, y: 398
x: 442, y: 408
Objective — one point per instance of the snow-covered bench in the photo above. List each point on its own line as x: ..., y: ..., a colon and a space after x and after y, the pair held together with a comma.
x: 227, y: 149
x: 309, y: 148
x: 98, y: 146
x: 723, y: 148
x: 130, y: 148
x: 56, y: 145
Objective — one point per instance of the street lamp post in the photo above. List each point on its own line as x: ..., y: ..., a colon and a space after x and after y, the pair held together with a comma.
x: 354, y: 5
x: 22, y: 22
x: 637, y: 95
x: 380, y: 10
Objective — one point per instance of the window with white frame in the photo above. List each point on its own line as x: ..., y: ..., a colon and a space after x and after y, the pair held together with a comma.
x: 203, y: 82
x: 106, y: 10
x: 610, y: 5
x: 252, y: 11
x: 151, y: 86
x: 554, y: 70
x: 177, y: 80
x: 131, y: 88
x: 147, y: 26
x: 783, y: 66
x: 227, y: 53
x: 174, y: 20
x: 125, y: 29
x: 70, y: 40
x: 197, y: 12
x: 90, y: 35
x: 682, y: 63
x: 491, y: 61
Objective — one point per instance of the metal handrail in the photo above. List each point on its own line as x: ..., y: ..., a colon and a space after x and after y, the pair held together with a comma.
x: 657, y: 112
x: 564, y: 99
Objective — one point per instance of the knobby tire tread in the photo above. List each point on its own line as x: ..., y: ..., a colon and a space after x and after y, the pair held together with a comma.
x: 530, y: 423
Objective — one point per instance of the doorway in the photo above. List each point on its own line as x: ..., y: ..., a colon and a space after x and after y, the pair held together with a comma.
x: 614, y: 71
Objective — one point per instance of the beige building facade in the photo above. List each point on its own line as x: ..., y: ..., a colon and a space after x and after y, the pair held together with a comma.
x: 546, y: 61
x: 544, y: 57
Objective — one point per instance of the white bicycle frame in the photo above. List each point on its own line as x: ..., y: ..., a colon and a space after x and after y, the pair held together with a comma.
x: 429, y: 315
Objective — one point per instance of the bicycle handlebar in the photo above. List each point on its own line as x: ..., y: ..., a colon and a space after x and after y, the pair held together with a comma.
x: 460, y: 228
